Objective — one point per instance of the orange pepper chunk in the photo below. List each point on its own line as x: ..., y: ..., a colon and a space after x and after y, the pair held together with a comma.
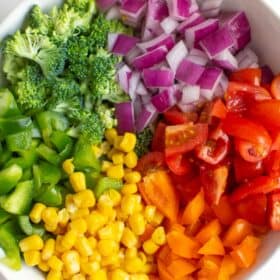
x: 228, y: 268
x: 182, y: 245
x: 180, y: 268
x: 239, y: 229
x: 224, y: 211
x: 210, y: 262
x: 162, y: 271
x: 213, y: 246
x: 194, y: 209
x: 164, y: 253
x: 244, y: 255
x: 213, y: 228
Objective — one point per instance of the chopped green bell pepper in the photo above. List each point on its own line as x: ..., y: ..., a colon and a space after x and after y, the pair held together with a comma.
x: 9, y: 177
x: 8, y: 105
x: 4, y: 216
x: 50, y: 174
x: 48, y: 154
x: 63, y: 143
x: 5, y: 156
x: 106, y: 183
x: 19, y: 141
x: 50, y: 195
x: 28, y: 228
x: 14, y: 125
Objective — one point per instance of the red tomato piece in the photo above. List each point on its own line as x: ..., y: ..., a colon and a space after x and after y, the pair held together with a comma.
x: 158, y: 143
x: 219, y: 109
x: 274, y: 210
x: 275, y: 137
x: 244, y: 170
x: 175, y: 116
x: 179, y: 164
x: 184, y: 138
x: 150, y: 162
x: 215, y: 149
x: 252, y: 76
x: 275, y: 87
x: 214, y: 182
x: 259, y: 185
x: 272, y: 164
x: 253, y: 209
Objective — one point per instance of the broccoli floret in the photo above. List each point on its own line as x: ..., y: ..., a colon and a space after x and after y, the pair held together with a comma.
x: 31, y: 89
x: 85, y: 6
x: 143, y: 142
x: 107, y: 116
x: 37, y: 48
x: 12, y: 65
x: 39, y: 22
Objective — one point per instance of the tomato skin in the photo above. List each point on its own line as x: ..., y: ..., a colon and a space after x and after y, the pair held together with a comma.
x: 275, y: 87
x: 275, y: 137
x: 175, y: 116
x: 184, y: 138
x: 179, y: 164
x: 252, y: 76
x: 274, y: 210
x: 244, y: 170
x: 253, y: 209
x: 258, y: 185
x: 272, y: 164
x: 158, y: 142
x: 150, y: 162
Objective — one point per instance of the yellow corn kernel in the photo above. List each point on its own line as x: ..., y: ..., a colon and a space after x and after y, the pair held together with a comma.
x: 31, y: 243
x: 97, y: 151
x: 83, y: 246
x: 84, y: 199
x: 78, y: 276
x: 119, y: 274
x: 149, y: 268
x: 159, y: 236
x: 137, y: 223
x: 115, y: 171
x: 95, y: 221
x: 112, y: 231
x: 129, y: 189
x: 66, y: 275
x: 158, y: 219
x: 130, y: 204
x: 149, y: 213
x: 112, y: 260
x: 128, y: 142
x: 71, y: 260
x: 51, y: 227
x: 78, y: 225
x: 100, y: 275
x: 132, y: 177
x: 139, y: 277
x: 58, y: 245
x: 110, y: 135
x: 69, y: 239
x: 96, y: 257
x: 131, y: 159
x: 143, y: 257
x: 111, y: 152
x: 117, y: 142
x: 118, y: 158
x: 68, y: 166
x: 129, y: 239
x: 63, y: 217
x: 92, y: 242
x: 32, y: 258
x: 48, y: 249
x: 70, y: 206
x: 114, y: 196
x: 131, y: 252
x: 54, y: 275
x: 80, y: 213
x: 105, y: 165
x: 36, y: 213
x: 133, y: 265
x: 55, y: 263
x: 150, y: 247
x: 43, y: 266
x: 108, y: 212
x: 50, y: 216
x: 78, y: 181
x: 90, y: 267
x: 107, y: 247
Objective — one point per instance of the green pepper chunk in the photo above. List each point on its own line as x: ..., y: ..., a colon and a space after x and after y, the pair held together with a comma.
x: 48, y: 154
x: 28, y: 228
x: 4, y: 216
x: 106, y: 183
x: 19, y: 141
x: 9, y: 177
x: 19, y: 201
x: 14, y: 125
x: 50, y: 195
x: 49, y: 173
x: 5, y: 156
x: 8, y: 105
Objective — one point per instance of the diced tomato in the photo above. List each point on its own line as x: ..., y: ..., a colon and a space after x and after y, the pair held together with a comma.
x: 214, y: 182
x: 272, y: 164
x: 215, y: 149
x: 179, y: 164
x: 244, y: 170
x: 275, y: 87
x: 274, y: 210
x: 258, y: 185
x: 253, y: 209
x: 175, y: 116
x: 252, y: 76
x: 219, y: 109
x: 184, y: 138
x: 150, y: 162
x: 212, y: 112
x: 158, y: 143
x: 275, y: 137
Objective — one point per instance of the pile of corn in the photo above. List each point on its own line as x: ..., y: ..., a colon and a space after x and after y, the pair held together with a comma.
x: 104, y: 239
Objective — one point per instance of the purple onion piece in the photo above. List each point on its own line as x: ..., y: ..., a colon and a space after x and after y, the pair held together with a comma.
x: 146, y: 117
x: 125, y: 116
x: 158, y: 78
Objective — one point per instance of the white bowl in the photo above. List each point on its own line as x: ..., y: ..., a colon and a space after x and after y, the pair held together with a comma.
x: 264, y: 16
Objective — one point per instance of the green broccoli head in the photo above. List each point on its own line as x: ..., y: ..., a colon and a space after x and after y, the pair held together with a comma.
x: 85, y: 6
x: 38, y: 48
x: 143, y: 142
x: 107, y: 115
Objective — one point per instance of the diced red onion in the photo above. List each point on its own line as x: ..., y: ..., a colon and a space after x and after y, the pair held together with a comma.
x: 190, y: 94
x: 150, y: 58
x: 125, y: 116
x: 122, y: 43
x: 133, y: 83
x: 192, y: 20
x: 141, y: 90
x: 219, y: 92
x: 113, y: 13
x: 166, y: 40
x: 226, y: 60
x: 224, y: 82
x: 217, y: 42
x: 210, y: 8
x: 198, y: 57
x: 104, y: 5
x: 146, y: 117
x: 195, y: 33
x: 164, y: 100
x: 187, y: 108
x: 246, y: 58
x: 158, y: 78
x: 209, y: 81
x: 130, y: 56
x: 267, y: 74
x: 176, y: 55
x: 146, y: 99
x: 137, y: 106
x: 112, y: 39
x: 123, y: 76
x: 189, y: 72
x: 194, y: 7
x: 169, y: 24
x: 179, y: 9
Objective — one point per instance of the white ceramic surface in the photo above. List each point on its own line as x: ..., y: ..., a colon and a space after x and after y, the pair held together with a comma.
x: 264, y: 17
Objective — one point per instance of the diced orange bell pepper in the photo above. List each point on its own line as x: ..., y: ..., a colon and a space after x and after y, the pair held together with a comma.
x: 142, y: 189
x: 153, y: 277
x: 213, y: 246
x: 193, y: 210
x: 213, y: 228
x: 224, y: 211
x: 228, y: 268
x: 244, y: 255
x: 163, y: 253
x: 180, y: 268
x: 207, y: 274
x: 182, y: 245
x: 239, y: 229
x: 162, y: 271
x: 212, y: 263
